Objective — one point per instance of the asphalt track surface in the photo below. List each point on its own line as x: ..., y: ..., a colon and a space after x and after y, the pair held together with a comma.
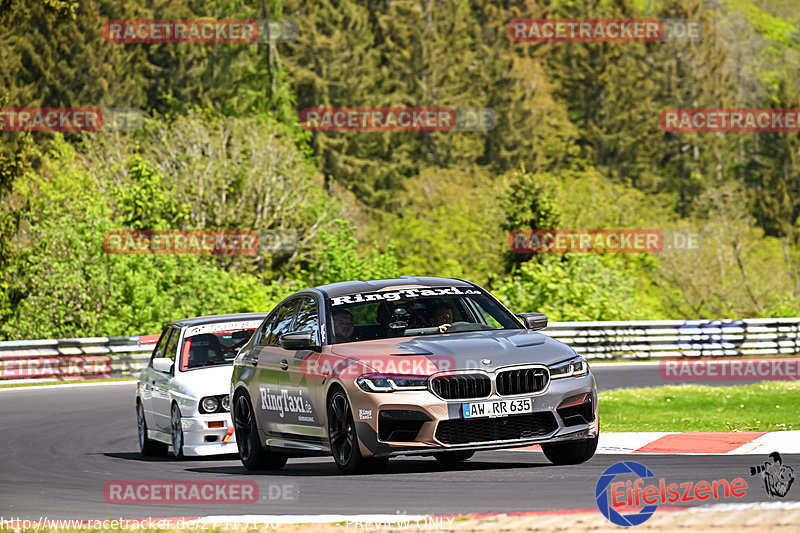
x: 62, y: 444
x: 647, y: 374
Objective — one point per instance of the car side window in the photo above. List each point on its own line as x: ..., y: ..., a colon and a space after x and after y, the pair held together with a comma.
x: 267, y: 329
x: 285, y: 318
x: 162, y: 342
x: 308, y: 319
x: 172, y: 346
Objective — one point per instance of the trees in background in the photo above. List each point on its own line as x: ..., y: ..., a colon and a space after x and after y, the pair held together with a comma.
x: 576, y: 144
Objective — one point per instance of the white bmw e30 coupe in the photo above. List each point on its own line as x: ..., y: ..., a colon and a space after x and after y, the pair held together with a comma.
x: 182, y: 398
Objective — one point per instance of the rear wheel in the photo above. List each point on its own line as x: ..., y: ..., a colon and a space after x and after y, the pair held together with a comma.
x: 344, y: 441
x: 451, y: 458
x: 251, y: 453
x: 571, y: 452
x: 147, y: 447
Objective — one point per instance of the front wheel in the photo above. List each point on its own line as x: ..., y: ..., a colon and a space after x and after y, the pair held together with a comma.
x: 147, y: 446
x: 344, y: 441
x: 177, y: 432
x: 571, y: 452
x: 251, y: 453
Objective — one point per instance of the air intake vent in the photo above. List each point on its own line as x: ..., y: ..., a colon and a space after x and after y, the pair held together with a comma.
x: 462, y: 386
x: 517, y: 427
x: 522, y: 381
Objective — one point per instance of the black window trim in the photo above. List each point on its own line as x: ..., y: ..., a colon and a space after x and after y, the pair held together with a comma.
x: 288, y: 301
x: 313, y: 297
x: 168, y: 330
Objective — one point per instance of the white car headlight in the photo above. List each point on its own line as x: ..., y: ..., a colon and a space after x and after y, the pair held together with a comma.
x: 226, y: 403
x: 577, y: 366
x: 209, y: 404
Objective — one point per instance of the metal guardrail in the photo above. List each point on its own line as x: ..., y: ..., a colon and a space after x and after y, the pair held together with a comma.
x: 93, y: 357
x: 123, y: 356
x: 680, y: 338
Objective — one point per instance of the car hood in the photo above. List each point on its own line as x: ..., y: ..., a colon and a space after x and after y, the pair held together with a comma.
x: 462, y: 351
x: 200, y: 382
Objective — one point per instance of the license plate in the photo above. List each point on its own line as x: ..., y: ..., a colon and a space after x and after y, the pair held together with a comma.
x: 497, y: 408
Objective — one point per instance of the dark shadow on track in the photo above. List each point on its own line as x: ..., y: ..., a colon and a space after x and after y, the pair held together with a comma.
x: 431, y: 466
x: 136, y: 456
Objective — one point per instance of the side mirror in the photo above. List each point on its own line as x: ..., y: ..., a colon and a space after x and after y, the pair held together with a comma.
x: 533, y: 321
x: 163, y: 364
x: 298, y: 340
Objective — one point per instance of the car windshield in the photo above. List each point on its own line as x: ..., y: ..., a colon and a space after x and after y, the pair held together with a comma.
x: 214, y: 344
x: 406, y: 312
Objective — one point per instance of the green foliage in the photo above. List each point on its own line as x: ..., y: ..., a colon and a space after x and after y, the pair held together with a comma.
x: 60, y: 282
x: 574, y: 287
x: 527, y: 203
x: 576, y: 145
x: 236, y: 173
x: 444, y: 213
x: 339, y: 260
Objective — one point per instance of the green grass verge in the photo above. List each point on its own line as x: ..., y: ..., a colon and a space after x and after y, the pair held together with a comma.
x: 62, y: 382
x: 766, y: 406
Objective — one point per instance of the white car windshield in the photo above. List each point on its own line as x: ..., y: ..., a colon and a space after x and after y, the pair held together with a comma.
x: 214, y: 344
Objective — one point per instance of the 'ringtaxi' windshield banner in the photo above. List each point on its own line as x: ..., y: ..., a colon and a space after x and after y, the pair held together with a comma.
x: 224, y: 326
x: 393, y: 293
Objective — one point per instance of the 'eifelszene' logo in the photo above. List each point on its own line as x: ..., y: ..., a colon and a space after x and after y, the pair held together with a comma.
x: 778, y: 477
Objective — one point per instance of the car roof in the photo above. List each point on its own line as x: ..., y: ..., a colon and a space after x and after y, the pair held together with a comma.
x: 213, y: 319
x: 342, y: 288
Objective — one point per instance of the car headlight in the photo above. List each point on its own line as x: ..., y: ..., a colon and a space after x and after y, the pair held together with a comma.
x: 209, y: 404
x: 391, y: 383
x: 226, y: 403
x: 576, y: 366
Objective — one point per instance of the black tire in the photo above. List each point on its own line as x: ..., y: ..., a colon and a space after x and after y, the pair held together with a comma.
x: 251, y: 453
x: 344, y: 440
x: 571, y: 452
x: 176, y: 430
x: 452, y: 458
x: 148, y: 447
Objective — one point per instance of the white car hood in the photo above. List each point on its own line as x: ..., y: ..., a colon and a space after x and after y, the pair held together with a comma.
x: 210, y: 381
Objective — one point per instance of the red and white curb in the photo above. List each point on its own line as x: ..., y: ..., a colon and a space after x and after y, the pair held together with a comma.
x: 740, y: 443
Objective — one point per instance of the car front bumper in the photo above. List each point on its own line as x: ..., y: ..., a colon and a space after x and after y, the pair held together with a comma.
x: 200, y: 440
x: 432, y: 424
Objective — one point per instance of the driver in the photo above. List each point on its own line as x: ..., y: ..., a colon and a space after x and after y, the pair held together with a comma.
x: 442, y: 316
x: 343, y: 326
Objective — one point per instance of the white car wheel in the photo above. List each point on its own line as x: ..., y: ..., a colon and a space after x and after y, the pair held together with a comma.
x: 147, y: 446
x: 177, y: 432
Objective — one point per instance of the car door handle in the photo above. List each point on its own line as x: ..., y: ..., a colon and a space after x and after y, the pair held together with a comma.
x: 284, y: 364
